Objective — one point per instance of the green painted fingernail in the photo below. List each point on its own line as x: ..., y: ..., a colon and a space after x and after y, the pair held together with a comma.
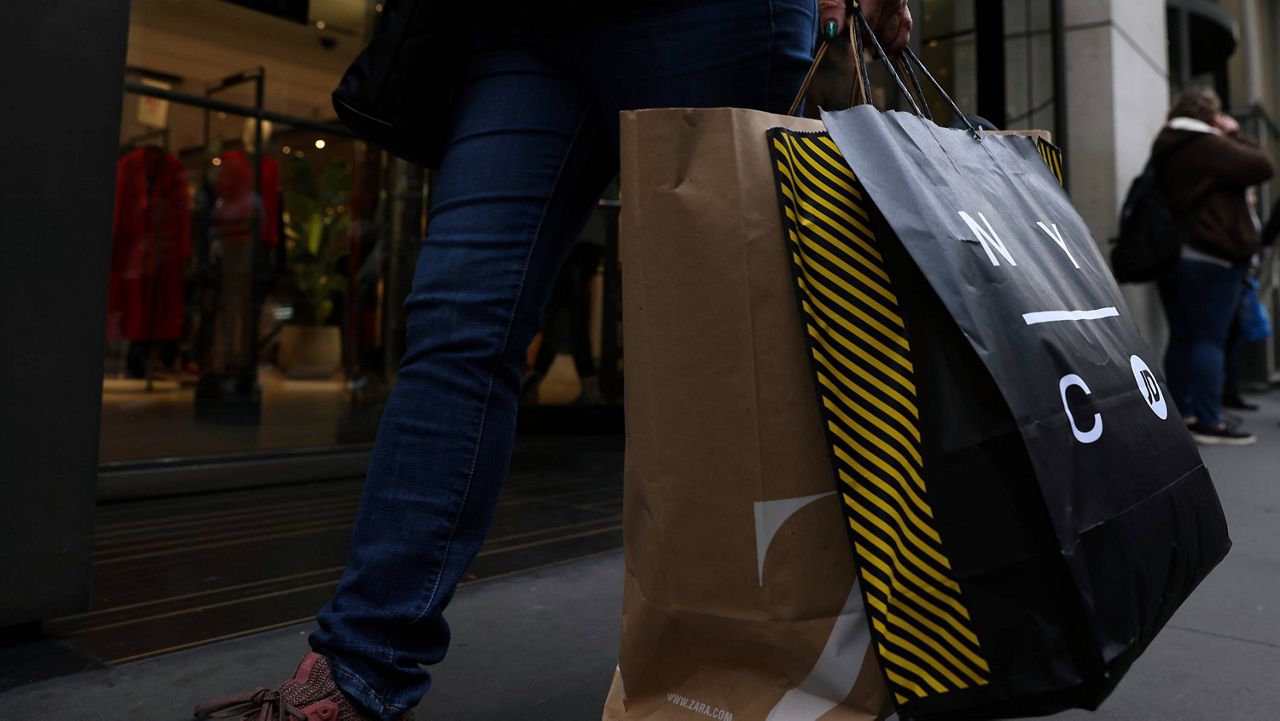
x: 830, y: 29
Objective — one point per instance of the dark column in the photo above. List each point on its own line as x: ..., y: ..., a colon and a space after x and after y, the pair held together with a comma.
x: 60, y: 98
x: 1180, y: 47
x: 988, y: 17
x: 1060, y: 115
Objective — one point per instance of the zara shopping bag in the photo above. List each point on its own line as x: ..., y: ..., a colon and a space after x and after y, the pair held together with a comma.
x: 740, y: 601
x: 1025, y: 505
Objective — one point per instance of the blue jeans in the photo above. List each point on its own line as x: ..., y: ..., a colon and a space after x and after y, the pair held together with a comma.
x: 532, y: 146
x: 1200, y: 300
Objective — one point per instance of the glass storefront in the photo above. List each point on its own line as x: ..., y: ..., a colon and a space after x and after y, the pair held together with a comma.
x: 262, y: 254
x: 256, y: 245
x: 996, y: 59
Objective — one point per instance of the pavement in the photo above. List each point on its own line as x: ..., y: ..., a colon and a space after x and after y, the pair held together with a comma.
x: 539, y: 646
x: 543, y: 645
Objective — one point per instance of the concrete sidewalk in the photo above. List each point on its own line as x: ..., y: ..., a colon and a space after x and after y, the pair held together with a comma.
x: 542, y: 645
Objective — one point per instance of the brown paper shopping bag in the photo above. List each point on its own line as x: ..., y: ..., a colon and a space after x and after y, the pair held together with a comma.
x: 740, y: 600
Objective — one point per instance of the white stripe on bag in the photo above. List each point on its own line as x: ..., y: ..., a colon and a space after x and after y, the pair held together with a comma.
x: 1054, y: 316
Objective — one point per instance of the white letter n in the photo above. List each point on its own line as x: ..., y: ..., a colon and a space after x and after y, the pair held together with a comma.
x: 987, y: 238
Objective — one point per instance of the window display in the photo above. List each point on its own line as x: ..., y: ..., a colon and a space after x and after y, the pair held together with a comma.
x: 263, y: 255
x: 151, y: 247
x: 995, y: 59
x: 260, y: 254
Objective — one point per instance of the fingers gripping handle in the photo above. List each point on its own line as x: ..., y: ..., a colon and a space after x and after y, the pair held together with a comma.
x: 884, y: 58
x: 860, y: 92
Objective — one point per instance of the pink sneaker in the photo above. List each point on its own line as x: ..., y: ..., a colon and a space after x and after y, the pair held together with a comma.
x: 311, y: 695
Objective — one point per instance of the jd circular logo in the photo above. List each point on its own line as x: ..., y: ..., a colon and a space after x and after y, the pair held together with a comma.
x: 1149, y: 387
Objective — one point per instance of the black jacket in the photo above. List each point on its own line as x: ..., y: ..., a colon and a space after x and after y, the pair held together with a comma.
x: 399, y: 91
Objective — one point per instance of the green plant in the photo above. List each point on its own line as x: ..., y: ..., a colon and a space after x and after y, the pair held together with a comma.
x: 317, y: 219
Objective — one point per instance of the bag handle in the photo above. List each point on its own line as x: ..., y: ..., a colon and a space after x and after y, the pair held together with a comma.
x: 904, y: 67
x: 883, y: 56
x: 911, y: 56
x: 860, y: 88
x: 907, y: 62
x: 863, y: 74
x: 860, y: 92
x: 907, y: 58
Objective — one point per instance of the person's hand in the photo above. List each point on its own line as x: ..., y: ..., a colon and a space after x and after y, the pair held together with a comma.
x: 1226, y: 124
x: 889, y: 19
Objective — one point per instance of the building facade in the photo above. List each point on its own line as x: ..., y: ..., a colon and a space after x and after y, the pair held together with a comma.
x: 1124, y: 60
x: 248, y: 322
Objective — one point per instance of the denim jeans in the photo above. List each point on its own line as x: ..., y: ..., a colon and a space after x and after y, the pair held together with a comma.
x: 533, y: 143
x: 1200, y: 301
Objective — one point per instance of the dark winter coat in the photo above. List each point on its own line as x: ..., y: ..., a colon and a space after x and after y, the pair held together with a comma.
x: 1205, y: 175
x: 399, y: 91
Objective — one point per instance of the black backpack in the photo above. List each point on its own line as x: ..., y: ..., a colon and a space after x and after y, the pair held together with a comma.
x: 1151, y: 232
x: 1150, y: 237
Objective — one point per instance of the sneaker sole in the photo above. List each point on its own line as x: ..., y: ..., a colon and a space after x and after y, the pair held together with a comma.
x: 1221, y: 441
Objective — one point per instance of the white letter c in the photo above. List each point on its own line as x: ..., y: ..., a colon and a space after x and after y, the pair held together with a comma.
x: 1093, y: 433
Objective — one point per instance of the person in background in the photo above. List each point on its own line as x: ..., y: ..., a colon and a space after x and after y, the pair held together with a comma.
x: 1208, y: 166
x: 528, y: 141
x: 1232, y: 398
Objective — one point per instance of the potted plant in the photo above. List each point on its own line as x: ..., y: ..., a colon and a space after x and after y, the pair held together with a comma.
x: 316, y: 221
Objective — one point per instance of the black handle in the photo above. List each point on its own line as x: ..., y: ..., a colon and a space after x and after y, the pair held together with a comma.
x: 907, y: 61
x: 884, y: 58
x: 911, y: 56
x: 905, y: 67
x: 861, y: 81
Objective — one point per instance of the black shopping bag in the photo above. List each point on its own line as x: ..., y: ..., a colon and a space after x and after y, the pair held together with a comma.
x: 1025, y: 504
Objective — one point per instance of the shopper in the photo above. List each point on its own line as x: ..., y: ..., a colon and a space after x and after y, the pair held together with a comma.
x: 1232, y: 398
x: 1207, y: 164
x: 530, y: 143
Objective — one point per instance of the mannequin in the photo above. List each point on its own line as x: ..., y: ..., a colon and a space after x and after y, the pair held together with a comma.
x: 233, y: 180
x: 247, y: 131
x: 233, y: 233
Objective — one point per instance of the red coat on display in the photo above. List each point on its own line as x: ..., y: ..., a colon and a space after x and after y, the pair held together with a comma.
x: 151, y: 244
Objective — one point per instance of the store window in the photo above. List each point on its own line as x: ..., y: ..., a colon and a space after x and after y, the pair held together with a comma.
x: 995, y: 58
x: 261, y: 254
x: 1029, y: 65
x: 948, y: 40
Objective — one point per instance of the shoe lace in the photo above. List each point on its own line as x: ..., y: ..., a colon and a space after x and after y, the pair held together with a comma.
x: 260, y: 705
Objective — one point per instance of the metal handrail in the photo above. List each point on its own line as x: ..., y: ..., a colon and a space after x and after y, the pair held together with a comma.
x: 236, y: 109
x: 1259, y: 113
